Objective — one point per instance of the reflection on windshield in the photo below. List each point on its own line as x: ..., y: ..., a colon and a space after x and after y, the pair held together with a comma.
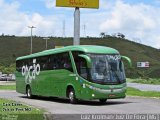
x: 107, y: 69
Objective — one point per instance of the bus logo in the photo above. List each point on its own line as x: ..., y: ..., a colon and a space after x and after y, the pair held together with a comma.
x: 30, y: 72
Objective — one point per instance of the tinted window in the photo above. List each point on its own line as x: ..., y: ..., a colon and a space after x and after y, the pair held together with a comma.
x: 50, y: 62
x: 81, y: 65
x: 21, y: 63
x: 43, y: 62
x: 61, y: 61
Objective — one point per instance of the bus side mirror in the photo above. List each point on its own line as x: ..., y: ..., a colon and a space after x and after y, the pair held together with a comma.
x: 128, y: 59
x: 88, y: 59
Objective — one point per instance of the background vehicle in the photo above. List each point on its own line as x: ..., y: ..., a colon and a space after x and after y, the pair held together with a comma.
x: 9, y: 77
x: 74, y: 72
x: 3, y: 77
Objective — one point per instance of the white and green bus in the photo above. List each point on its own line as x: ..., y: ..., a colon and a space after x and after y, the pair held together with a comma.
x: 82, y: 72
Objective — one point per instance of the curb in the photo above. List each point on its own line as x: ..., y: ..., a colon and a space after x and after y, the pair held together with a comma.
x: 48, y: 116
x: 144, y: 97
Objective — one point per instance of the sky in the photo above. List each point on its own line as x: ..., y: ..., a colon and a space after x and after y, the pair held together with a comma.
x: 138, y: 20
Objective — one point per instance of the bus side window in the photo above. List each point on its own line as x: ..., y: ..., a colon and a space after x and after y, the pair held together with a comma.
x: 42, y: 61
x: 67, y: 62
x: 51, y: 62
x: 19, y: 65
x: 81, y: 65
x: 60, y: 61
x: 83, y: 68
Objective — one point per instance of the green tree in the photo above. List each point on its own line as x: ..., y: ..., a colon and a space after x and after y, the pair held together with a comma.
x: 102, y: 34
x: 8, y: 70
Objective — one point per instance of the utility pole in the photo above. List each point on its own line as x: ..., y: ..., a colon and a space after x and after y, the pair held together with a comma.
x: 64, y: 29
x: 76, y: 27
x: 77, y: 4
x: 31, y: 27
x: 84, y: 30
x: 46, y: 38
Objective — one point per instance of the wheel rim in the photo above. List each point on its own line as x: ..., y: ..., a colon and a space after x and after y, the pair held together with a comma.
x: 71, y: 95
x: 28, y: 92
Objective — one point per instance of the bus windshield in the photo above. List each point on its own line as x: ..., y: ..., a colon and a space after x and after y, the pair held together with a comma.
x: 107, y: 69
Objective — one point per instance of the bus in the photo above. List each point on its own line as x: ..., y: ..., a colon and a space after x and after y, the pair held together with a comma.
x: 84, y: 72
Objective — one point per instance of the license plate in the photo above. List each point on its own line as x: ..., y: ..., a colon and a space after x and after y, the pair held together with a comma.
x: 111, y: 95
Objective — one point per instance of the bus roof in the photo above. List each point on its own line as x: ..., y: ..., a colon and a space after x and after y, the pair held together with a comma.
x: 84, y: 48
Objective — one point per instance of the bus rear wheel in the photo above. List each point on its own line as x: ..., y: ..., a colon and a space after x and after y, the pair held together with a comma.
x: 102, y: 100
x: 29, y: 92
x: 72, y: 96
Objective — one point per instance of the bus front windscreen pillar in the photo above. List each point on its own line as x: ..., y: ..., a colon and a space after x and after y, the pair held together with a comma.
x: 76, y: 40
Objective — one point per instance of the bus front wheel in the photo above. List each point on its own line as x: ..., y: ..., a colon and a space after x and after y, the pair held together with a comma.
x: 29, y: 92
x: 102, y: 100
x: 72, y: 96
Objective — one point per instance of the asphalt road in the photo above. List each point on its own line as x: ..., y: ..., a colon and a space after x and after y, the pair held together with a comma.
x: 62, y: 106
x: 128, y: 105
x: 144, y: 87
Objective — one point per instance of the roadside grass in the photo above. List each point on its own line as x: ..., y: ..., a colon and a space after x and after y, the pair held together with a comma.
x: 135, y: 92
x: 153, y: 81
x: 7, y: 87
x: 19, y: 111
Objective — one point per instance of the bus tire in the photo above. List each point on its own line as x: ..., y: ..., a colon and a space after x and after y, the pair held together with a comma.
x: 29, y: 92
x: 72, y: 97
x: 102, y: 100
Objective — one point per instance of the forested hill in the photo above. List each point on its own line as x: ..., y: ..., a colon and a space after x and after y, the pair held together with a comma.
x: 12, y: 47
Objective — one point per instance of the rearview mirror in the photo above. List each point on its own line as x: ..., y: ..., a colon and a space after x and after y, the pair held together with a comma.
x: 88, y: 60
x: 128, y: 59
